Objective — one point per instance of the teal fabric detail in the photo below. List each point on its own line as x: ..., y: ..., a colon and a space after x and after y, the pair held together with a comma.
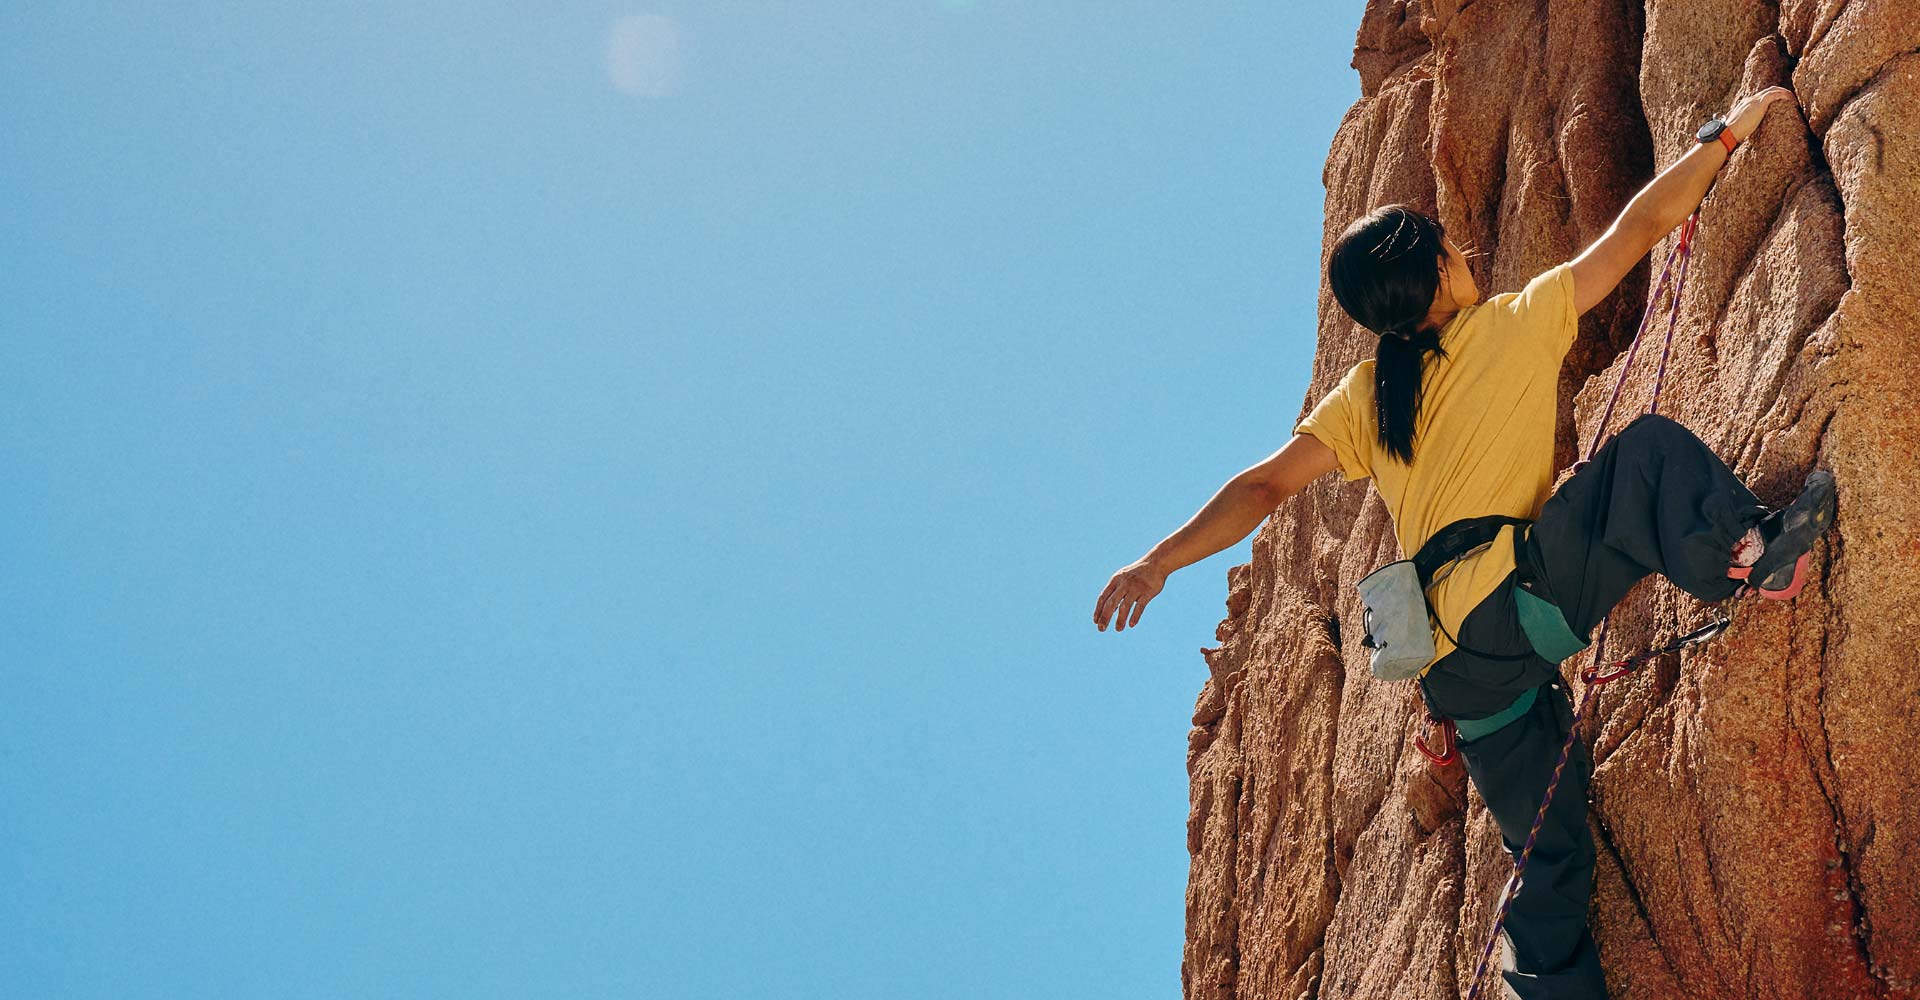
x: 1546, y: 627
x: 1473, y: 729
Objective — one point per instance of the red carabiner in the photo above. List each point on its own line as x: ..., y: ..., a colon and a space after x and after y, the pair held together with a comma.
x: 1446, y: 756
x: 1593, y: 677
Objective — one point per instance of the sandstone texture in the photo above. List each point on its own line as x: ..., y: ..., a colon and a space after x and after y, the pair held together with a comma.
x: 1756, y: 802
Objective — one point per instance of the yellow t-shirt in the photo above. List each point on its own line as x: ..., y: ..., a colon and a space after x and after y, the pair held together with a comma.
x: 1484, y: 441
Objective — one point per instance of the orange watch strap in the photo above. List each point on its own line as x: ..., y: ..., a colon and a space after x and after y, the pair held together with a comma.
x: 1727, y: 139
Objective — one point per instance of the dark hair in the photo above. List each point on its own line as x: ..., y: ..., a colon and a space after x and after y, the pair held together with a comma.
x: 1385, y: 269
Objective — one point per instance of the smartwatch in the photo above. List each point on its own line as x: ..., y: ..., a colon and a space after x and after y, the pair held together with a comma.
x: 1716, y: 128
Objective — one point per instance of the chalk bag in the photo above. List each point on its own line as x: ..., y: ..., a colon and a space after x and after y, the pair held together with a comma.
x: 1398, y: 630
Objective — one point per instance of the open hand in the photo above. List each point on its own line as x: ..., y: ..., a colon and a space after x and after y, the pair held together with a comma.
x: 1747, y: 111
x: 1128, y: 593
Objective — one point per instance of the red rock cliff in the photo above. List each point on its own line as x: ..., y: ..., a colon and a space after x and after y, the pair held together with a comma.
x: 1757, y: 802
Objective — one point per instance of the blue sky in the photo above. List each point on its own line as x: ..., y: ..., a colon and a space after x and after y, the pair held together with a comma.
x: 587, y: 500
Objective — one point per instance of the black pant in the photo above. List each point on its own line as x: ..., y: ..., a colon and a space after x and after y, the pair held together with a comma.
x: 1655, y: 499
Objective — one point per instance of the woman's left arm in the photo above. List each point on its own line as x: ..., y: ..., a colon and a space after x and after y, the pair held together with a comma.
x: 1661, y: 205
x: 1234, y: 511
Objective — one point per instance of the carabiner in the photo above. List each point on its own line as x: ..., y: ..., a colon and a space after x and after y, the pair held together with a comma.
x: 1446, y: 756
x: 1593, y: 677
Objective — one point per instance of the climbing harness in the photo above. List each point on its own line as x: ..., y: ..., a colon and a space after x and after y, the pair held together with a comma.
x: 1547, y: 631
x: 1593, y: 675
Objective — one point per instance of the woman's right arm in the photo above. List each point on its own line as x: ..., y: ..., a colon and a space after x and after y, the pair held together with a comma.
x: 1662, y: 205
x: 1234, y: 511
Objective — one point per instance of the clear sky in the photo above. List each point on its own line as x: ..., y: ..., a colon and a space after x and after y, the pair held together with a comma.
x: 584, y: 500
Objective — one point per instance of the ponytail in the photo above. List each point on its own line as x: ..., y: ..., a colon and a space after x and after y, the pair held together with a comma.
x: 1397, y: 390
x: 1384, y: 271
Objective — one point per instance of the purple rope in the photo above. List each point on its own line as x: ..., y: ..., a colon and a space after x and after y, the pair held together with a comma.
x: 1633, y: 350
x: 1511, y: 891
x: 1673, y: 312
x: 1684, y: 249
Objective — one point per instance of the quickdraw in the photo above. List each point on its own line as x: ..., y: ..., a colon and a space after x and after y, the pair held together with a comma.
x: 1591, y: 673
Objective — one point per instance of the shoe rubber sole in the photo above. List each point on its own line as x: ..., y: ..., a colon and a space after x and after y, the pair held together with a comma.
x: 1781, y: 571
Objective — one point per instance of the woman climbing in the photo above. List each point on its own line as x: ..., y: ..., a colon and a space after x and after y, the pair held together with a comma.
x: 1453, y: 420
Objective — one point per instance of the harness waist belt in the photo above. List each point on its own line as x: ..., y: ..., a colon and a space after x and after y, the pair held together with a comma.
x: 1458, y: 539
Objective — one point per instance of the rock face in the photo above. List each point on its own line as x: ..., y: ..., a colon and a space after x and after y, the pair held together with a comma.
x: 1757, y: 801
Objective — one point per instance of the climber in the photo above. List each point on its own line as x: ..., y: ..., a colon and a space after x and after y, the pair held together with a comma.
x: 1453, y: 420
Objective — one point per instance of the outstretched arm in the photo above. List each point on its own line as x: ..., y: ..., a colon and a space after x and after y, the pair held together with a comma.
x: 1234, y: 511
x: 1662, y: 205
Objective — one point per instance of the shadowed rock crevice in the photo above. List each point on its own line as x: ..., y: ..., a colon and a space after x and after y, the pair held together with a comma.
x: 1604, y: 840
x: 1755, y: 801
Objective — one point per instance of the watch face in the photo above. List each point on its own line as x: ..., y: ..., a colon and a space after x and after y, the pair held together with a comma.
x: 1710, y: 131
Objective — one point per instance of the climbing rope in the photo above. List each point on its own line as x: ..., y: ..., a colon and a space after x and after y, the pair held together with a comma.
x: 1592, y: 675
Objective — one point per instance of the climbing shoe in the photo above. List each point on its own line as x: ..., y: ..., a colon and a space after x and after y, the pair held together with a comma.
x: 1788, y: 537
